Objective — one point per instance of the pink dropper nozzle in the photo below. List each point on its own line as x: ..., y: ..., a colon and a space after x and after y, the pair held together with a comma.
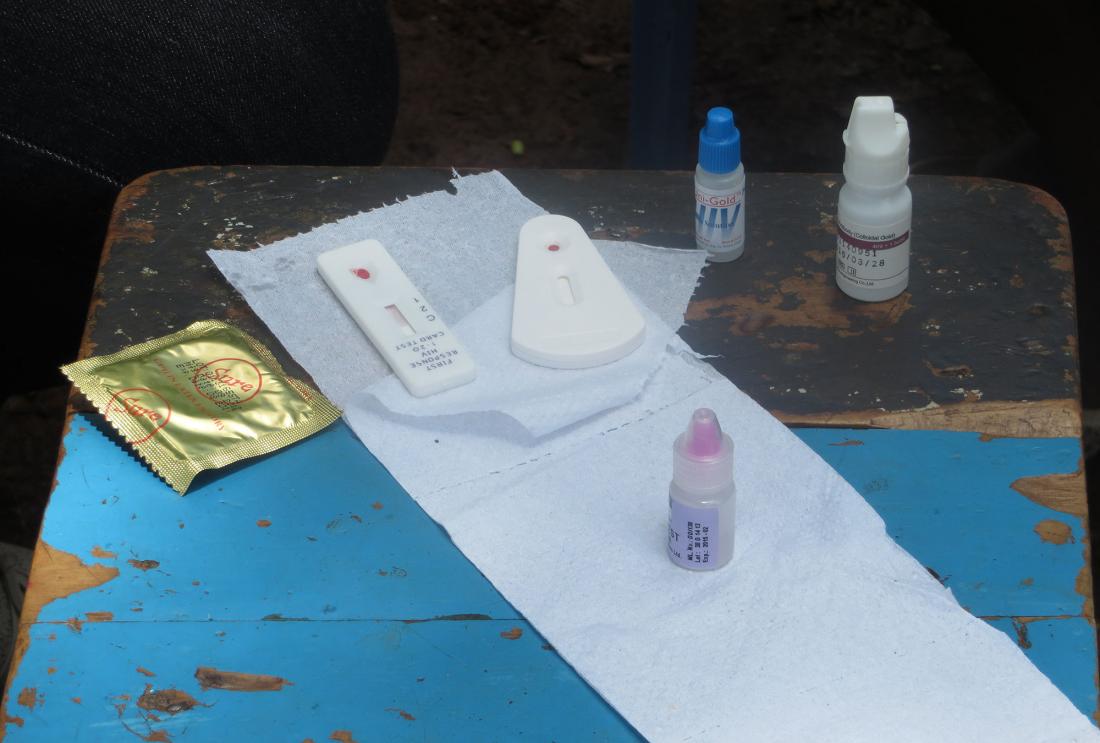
x: 703, y: 438
x: 702, y: 457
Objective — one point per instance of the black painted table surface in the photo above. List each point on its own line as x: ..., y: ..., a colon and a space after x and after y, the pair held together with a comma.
x: 983, y: 340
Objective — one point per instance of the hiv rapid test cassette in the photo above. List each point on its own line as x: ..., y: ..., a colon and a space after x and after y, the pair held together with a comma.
x: 410, y: 335
x: 570, y: 311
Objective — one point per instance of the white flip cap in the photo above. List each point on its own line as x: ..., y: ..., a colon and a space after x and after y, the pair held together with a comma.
x: 877, y: 142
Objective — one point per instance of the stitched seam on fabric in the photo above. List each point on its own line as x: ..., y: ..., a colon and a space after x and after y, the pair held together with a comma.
x: 37, y: 149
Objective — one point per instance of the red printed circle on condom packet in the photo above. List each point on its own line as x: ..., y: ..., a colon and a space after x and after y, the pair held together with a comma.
x: 228, y: 381
x: 142, y: 403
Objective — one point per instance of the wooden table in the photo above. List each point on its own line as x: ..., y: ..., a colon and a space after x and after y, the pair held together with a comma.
x: 305, y: 596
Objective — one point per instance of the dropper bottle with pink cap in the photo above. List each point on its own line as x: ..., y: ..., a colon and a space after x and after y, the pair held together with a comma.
x: 701, y: 496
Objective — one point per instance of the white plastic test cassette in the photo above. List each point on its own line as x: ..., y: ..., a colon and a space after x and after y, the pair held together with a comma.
x: 410, y: 335
x: 570, y: 312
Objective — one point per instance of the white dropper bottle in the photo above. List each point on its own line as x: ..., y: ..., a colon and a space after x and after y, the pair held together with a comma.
x: 701, y: 496
x: 875, y: 207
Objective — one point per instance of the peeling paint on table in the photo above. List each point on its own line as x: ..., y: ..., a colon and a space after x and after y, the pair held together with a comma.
x: 351, y: 613
x: 1021, y: 562
x: 300, y: 630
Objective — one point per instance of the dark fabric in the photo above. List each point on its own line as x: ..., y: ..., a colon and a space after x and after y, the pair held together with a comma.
x: 94, y: 94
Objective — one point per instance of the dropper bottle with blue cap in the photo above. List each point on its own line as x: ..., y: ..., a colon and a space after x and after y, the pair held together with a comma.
x: 720, y: 189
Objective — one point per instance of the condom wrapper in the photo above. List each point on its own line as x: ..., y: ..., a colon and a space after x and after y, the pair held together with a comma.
x: 203, y: 398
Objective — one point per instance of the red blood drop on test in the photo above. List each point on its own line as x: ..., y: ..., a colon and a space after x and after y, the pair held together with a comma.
x: 553, y: 248
x: 361, y: 273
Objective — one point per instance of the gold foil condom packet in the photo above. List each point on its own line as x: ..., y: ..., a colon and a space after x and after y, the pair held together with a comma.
x: 200, y: 399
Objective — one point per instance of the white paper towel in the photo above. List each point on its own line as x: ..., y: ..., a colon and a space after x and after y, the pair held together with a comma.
x: 820, y: 629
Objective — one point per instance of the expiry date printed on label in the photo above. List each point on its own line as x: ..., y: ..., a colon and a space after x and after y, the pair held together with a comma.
x: 692, y: 535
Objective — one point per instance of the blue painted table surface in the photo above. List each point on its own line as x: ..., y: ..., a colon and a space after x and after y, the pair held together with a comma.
x: 305, y: 596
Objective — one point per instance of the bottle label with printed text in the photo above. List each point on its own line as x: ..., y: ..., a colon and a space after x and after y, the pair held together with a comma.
x: 871, y: 257
x: 692, y: 535
x: 720, y: 219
